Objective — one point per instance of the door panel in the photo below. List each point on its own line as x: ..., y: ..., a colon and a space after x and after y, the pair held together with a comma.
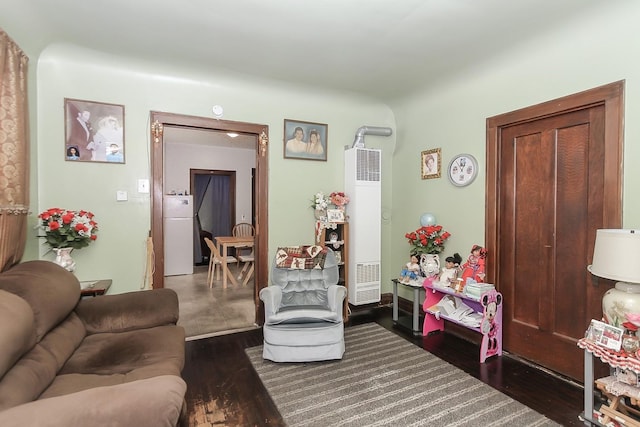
x: 554, y: 176
x: 550, y: 208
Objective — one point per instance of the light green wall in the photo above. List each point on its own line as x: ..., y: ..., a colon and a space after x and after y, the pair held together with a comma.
x: 120, y: 251
x: 598, y: 50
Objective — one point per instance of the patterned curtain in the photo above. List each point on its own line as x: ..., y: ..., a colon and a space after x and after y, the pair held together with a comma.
x: 14, y: 152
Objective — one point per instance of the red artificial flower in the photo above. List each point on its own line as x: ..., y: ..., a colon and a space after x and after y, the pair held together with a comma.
x: 428, y: 239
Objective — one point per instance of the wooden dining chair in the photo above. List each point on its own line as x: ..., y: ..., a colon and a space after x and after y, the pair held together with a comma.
x: 215, y: 261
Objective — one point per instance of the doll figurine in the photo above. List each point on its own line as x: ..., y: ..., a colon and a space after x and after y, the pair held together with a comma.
x: 474, y: 267
x: 450, y: 270
x: 411, y: 270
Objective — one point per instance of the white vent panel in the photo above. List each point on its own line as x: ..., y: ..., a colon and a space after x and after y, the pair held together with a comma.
x: 367, y: 294
x: 367, y: 273
x: 368, y: 165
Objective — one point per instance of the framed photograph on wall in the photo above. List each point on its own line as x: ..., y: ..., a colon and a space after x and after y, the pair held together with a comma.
x: 94, y: 131
x: 305, y: 140
x: 430, y: 163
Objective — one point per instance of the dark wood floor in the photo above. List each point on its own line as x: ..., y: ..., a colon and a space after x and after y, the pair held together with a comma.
x: 224, y: 390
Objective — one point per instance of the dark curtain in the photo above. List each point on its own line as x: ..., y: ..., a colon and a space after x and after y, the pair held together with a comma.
x: 201, y: 185
x: 213, y: 208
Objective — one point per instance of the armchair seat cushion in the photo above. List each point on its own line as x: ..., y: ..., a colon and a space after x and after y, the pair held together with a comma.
x: 304, y: 314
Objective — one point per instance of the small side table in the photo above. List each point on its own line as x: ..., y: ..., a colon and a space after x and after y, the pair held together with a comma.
x: 415, y: 327
x: 94, y: 287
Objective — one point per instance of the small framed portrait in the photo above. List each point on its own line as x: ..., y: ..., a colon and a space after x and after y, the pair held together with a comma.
x: 94, y: 131
x: 335, y: 215
x: 305, y: 140
x: 430, y: 163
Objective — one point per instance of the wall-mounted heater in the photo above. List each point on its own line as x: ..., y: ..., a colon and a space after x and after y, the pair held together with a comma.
x: 362, y: 170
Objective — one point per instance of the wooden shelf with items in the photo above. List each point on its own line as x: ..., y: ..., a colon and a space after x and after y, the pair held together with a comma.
x: 335, y: 235
x: 487, y: 309
x: 623, y: 385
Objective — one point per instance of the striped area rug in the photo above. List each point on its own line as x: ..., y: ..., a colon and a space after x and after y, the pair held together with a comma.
x: 384, y: 380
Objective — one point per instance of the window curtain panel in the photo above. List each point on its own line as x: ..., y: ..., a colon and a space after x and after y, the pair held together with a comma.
x: 213, y: 208
x: 14, y: 152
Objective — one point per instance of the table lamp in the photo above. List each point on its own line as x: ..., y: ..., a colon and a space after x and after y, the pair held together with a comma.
x: 616, y: 256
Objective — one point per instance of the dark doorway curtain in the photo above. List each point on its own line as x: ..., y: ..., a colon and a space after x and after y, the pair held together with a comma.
x: 213, y: 208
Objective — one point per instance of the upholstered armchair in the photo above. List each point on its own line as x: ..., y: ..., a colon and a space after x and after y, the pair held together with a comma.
x: 303, y: 306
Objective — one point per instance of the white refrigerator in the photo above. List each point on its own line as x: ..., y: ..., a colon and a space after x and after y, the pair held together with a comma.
x: 178, y: 235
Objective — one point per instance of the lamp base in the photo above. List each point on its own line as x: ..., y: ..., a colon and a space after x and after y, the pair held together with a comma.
x: 621, y: 304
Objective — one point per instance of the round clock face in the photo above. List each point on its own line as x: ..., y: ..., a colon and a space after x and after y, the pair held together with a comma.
x: 463, y: 169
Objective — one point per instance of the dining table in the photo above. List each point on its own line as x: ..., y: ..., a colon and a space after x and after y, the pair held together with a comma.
x: 224, y: 243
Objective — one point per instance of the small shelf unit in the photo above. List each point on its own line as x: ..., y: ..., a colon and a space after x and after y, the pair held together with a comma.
x: 491, y: 330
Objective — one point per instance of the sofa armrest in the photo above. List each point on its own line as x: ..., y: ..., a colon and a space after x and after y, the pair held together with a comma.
x: 129, y: 311
x: 152, y: 402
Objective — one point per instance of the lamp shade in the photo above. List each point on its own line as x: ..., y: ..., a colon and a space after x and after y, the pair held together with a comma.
x: 616, y: 255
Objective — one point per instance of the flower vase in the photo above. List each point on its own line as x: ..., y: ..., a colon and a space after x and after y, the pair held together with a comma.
x: 63, y: 258
x: 430, y: 264
x: 320, y: 214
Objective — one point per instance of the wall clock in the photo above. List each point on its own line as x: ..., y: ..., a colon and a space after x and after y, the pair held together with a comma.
x: 463, y: 169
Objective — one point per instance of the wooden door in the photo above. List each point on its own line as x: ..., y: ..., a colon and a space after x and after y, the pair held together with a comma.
x: 553, y: 185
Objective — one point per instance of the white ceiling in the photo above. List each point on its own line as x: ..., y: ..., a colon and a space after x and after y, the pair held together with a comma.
x: 380, y: 48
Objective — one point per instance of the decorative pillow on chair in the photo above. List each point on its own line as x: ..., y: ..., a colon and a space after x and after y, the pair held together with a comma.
x: 301, y: 257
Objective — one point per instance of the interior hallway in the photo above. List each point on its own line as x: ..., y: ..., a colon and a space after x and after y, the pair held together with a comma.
x: 208, y: 312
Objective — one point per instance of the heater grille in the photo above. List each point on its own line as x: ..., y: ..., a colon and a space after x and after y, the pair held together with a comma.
x: 367, y: 273
x: 368, y: 165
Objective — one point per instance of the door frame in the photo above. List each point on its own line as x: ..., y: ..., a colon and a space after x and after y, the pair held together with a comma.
x: 611, y: 96
x: 261, y: 132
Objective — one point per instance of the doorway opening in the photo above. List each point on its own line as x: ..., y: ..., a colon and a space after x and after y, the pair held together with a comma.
x: 258, y: 188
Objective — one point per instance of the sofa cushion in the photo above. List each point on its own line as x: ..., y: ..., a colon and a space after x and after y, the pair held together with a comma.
x: 51, y: 291
x: 35, y: 371
x: 153, y: 402
x: 129, y: 311
x: 123, y: 352
x: 18, y: 331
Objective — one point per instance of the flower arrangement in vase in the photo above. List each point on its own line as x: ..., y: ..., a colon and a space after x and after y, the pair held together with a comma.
x: 321, y: 202
x: 428, y: 239
x: 68, y: 229
x: 339, y: 199
x: 65, y: 230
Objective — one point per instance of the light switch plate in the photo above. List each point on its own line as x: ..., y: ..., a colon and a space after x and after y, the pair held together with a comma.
x: 121, y: 195
x: 143, y: 186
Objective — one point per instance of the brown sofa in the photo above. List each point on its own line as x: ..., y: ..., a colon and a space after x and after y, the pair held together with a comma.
x: 113, y: 360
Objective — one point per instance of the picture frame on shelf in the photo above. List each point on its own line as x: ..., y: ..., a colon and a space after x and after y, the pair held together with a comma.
x: 431, y: 163
x: 335, y: 215
x: 94, y: 131
x: 305, y: 140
